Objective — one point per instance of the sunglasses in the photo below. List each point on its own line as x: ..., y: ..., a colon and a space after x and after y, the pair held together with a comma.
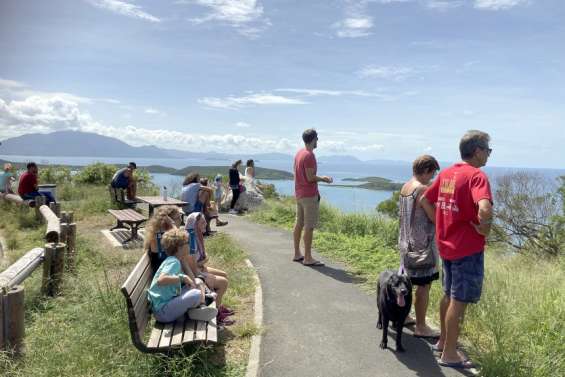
x: 489, y: 150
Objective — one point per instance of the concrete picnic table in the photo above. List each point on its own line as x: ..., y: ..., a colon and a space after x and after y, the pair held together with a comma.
x: 157, y: 201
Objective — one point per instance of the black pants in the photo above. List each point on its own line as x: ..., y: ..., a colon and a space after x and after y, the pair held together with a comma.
x: 234, y: 198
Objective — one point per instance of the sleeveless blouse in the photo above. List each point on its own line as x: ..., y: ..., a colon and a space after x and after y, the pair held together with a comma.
x: 417, y: 233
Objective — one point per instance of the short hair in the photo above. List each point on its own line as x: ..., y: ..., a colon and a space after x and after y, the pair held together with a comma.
x: 309, y: 135
x: 132, y: 165
x: 173, y: 239
x: 472, y: 140
x: 31, y: 165
x: 250, y: 163
x: 7, y: 166
x: 424, y: 164
x: 192, y: 177
x: 234, y: 165
x: 204, y: 181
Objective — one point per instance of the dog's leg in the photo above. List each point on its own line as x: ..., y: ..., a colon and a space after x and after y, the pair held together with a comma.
x: 399, y: 326
x: 379, y: 321
x: 384, y: 324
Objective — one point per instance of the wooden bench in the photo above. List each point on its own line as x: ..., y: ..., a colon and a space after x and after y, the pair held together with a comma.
x: 118, y: 196
x: 159, y: 337
x: 128, y: 217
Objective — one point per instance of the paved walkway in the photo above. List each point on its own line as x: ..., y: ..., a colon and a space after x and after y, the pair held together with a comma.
x: 317, y: 321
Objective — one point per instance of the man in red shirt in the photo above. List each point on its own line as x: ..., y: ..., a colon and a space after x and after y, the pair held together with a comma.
x: 27, y: 187
x: 307, y: 197
x: 463, y: 216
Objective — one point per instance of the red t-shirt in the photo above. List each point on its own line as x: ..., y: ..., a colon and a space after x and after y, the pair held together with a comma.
x: 302, y: 188
x: 456, y: 193
x: 28, y: 183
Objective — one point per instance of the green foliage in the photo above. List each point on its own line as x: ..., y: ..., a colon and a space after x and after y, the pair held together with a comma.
x: 97, y: 173
x: 389, y: 207
x: 54, y: 174
x: 269, y: 191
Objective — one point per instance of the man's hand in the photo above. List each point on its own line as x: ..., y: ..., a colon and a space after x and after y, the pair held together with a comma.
x: 485, y: 217
x: 327, y: 179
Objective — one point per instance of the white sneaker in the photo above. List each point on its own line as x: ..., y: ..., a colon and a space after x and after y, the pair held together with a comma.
x: 202, y: 313
x: 233, y: 212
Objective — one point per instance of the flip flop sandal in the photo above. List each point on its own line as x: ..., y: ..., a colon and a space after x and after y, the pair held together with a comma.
x: 298, y: 259
x: 429, y: 336
x: 465, y: 364
x: 315, y: 264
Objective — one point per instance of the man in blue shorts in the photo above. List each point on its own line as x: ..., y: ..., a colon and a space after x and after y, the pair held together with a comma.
x: 124, y: 179
x: 462, y: 200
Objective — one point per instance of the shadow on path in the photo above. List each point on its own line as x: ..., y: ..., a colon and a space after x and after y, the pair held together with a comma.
x: 339, y: 274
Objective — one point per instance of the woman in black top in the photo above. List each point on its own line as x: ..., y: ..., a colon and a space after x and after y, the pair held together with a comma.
x: 234, y: 184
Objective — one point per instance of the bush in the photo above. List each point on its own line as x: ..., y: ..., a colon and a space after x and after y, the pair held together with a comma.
x: 54, y: 174
x: 97, y: 173
x: 389, y: 207
x: 529, y: 214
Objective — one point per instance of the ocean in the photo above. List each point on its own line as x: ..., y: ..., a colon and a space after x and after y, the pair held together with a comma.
x: 346, y: 199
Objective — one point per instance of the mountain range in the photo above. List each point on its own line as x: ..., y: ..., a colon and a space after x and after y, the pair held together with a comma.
x: 85, y: 144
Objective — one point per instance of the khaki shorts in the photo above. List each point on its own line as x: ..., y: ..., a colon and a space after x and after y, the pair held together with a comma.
x: 307, y: 212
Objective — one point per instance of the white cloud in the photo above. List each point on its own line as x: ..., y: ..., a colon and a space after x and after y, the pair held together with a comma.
x: 387, y: 72
x: 37, y: 114
x: 234, y: 103
x: 125, y: 9
x: 498, y: 4
x: 242, y: 125
x: 247, y: 16
x: 354, y: 27
x: 153, y: 111
x: 443, y: 5
x: 382, y: 95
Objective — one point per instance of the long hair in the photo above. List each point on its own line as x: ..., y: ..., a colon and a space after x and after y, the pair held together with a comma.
x: 159, y: 221
x: 235, y: 164
x: 192, y: 177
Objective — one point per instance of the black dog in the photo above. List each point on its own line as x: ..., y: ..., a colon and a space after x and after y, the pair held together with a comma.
x: 394, y: 299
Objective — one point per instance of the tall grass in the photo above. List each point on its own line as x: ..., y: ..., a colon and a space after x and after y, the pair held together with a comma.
x: 516, y: 330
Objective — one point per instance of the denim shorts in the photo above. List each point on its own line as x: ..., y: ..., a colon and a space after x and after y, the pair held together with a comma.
x: 463, y: 278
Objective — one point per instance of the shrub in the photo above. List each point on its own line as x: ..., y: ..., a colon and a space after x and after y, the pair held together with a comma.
x: 389, y: 207
x: 97, y: 173
x: 54, y: 174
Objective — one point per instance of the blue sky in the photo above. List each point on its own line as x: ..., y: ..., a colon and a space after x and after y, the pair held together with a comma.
x: 379, y: 79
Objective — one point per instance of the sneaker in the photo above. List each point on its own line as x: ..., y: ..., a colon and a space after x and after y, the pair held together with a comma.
x: 233, y: 212
x: 221, y: 223
x: 227, y: 311
x: 202, y: 313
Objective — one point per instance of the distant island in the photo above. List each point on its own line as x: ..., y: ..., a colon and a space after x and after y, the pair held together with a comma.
x: 374, y: 183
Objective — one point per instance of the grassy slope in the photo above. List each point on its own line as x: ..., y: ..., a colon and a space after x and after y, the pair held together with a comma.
x: 85, y: 332
x: 516, y: 330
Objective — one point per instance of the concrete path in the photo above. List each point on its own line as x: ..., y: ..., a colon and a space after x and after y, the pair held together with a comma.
x: 317, y: 321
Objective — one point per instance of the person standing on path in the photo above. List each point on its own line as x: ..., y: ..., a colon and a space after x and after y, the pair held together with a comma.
x: 463, y: 217
x: 307, y: 197
x: 416, y: 242
x: 235, y: 185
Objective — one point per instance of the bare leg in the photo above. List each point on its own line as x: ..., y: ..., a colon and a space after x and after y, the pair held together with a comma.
x: 217, y: 272
x: 132, y: 189
x: 453, y: 319
x: 444, y: 304
x: 219, y: 284
x: 308, y: 235
x: 297, y: 235
x: 421, y: 300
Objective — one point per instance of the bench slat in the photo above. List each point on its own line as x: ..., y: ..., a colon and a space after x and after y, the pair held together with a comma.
x: 166, y: 336
x: 212, y: 331
x: 140, y: 290
x: 176, y: 339
x: 142, y: 314
x: 188, y: 335
x: 136, y: 274
x: 155, y: 336
x: 200, y: 333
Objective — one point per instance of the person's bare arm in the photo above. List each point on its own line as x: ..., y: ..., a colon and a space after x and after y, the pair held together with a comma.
x: 165, y: 279
x: 485, y: 217
x: 429, y: 208
x: 312, y: 177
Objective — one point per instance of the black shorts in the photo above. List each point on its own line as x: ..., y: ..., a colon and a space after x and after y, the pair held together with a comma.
x: 425, y: 280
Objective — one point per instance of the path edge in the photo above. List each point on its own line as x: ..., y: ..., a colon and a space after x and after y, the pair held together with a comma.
x: 255, y: 350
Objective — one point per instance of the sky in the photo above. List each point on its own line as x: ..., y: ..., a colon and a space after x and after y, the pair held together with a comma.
x: 378, y: 79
